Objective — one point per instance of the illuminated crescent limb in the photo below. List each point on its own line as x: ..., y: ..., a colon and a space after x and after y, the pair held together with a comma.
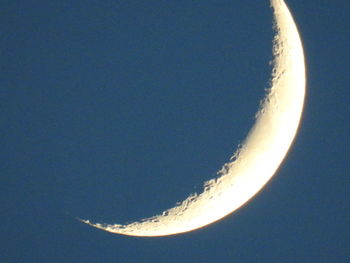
x: 261, y: 153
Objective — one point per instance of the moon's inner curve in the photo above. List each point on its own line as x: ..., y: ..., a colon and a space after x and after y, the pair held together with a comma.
x: 261, y: 153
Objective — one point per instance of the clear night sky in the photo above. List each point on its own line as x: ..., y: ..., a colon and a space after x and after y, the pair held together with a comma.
x: 116, y: 110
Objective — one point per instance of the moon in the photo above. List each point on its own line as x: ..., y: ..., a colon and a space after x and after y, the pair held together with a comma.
x: 259, y: 156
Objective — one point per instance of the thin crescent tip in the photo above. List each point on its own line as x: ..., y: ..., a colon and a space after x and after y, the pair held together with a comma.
x: 85, y: 221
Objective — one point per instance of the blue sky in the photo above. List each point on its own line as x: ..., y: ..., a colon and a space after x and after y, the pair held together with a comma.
x: 116, y: 110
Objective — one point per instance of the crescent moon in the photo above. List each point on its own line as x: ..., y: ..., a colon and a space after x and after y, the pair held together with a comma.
x: 263, y: 150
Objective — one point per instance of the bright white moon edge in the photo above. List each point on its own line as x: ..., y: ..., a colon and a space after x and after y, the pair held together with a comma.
x: 256, y: 161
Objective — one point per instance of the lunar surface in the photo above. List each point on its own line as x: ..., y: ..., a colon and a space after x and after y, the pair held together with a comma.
x: 260, y: 155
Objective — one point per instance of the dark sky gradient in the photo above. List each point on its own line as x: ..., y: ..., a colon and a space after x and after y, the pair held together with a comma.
x: 116, y: 110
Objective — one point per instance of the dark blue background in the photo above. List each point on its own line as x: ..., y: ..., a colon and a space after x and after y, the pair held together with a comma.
x: 116, y: 110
